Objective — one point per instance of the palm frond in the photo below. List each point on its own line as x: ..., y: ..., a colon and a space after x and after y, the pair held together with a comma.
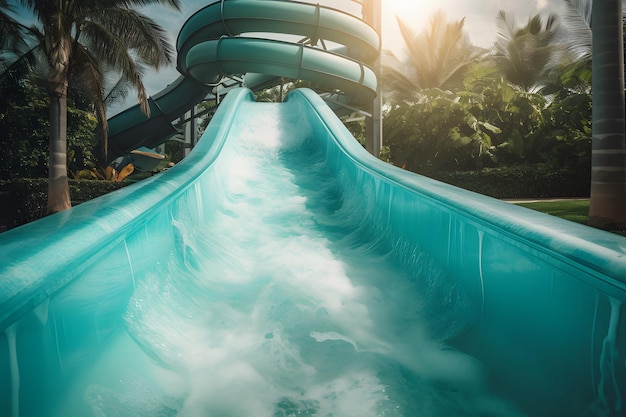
x: 148, y: 40
x: 527, y: 54
x: 113, y: 53
x: 400, y: 80
x: 436, y: 56
x: 86, y: 72
x: 10, y: 30
x: 130, y: 4
x: 19, y: 67
x: 117, y: 93
x: 408, y: 36
x: 577, y: 20
x: 583, y: 7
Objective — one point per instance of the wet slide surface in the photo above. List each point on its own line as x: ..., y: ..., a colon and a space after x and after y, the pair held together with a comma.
x: 284, y: 300
x: 281, y: 269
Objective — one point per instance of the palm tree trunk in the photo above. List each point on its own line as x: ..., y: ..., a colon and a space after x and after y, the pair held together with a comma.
x: 58, y: 186
x: 607, y: 208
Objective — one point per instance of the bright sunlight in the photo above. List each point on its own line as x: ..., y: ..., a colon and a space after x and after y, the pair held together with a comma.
x: 415, y: 12
x: 408, y: 8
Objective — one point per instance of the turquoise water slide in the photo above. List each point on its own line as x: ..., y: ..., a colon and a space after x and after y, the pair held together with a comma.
x: 282, y: 270
x: 210, y: 48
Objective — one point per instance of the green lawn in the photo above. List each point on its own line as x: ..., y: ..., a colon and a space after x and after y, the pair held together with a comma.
x: 573, y: 210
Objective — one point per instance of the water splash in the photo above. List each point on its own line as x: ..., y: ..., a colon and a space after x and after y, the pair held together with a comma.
x: 56, y: 343
x: 609, y: 399
x: 130, y: 264
x: 289, y: 302
x: 41, y: 312
x: 481, y: 238
x: 11, y: 334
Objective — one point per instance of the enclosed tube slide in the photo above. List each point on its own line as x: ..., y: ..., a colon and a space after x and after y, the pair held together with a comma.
x: 210, y: 48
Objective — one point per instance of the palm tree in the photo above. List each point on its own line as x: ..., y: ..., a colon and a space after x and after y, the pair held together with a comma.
x: 526, y: 54
x: 607, y: 206
x: 436, y: 58
x: 81, y: 41
x: 598, y: 26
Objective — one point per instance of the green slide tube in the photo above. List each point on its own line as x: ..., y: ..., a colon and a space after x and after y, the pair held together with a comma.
x: 210, y: 47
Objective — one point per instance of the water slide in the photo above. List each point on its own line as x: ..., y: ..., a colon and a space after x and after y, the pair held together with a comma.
x: 282, y: 270
x: 210, y: 48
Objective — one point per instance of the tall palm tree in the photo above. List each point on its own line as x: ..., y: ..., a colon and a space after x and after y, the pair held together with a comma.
x: 435, y: 58
x: 607, y: 207
x: 598, y: 26
x: 81, y: 40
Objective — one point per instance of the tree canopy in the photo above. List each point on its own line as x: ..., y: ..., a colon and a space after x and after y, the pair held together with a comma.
x: 80, y: 43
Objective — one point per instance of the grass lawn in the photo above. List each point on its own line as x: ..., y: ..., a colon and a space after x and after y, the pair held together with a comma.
x: 573, y: 210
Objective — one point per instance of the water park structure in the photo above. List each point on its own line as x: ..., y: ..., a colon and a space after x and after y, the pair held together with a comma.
x: 280, y: 269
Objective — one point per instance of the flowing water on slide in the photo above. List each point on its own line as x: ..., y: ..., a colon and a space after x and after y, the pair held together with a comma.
x: 288, y: 301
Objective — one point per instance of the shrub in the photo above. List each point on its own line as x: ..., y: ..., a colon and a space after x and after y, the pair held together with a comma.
x: 29, y: 196
x: 521, y: 182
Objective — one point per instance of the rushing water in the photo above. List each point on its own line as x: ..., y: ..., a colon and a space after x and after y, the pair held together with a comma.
x: 287, y: 300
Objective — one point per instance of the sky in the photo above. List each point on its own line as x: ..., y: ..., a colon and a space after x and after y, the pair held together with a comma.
x: 480, y: 23
x: 480, y: 15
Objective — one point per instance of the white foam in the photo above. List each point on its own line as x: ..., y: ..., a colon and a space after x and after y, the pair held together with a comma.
x: 273, y: 310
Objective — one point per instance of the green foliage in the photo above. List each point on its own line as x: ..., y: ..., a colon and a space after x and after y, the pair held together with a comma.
x: 526, y: 103
x: 529, y: 181
x: 436, y: 133
x: 29, y: 198
x: 24, y: 133
x: 490, y: 123
x: 30, y: 195
x: 356, y: 126
x: 175, y: 150
x: 204, y: 114
x: 566, y: 134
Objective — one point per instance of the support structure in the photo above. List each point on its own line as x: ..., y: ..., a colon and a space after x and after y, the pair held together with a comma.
x: 372, y: 14
x: 191, y: 131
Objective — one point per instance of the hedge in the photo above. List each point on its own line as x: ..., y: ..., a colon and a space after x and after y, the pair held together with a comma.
x: 521, y: 182
x: 25, y: 200
x: 27, y: 197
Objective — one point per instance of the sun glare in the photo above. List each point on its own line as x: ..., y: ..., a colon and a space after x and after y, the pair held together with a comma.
x: 402, y: 7
x: 413, y: 12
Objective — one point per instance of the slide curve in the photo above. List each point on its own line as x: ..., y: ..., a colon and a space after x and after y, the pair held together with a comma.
x: 210, y: 48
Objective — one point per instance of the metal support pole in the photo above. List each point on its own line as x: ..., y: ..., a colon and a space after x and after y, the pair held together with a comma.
x: 372, y: 14
x: 190, y: 130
